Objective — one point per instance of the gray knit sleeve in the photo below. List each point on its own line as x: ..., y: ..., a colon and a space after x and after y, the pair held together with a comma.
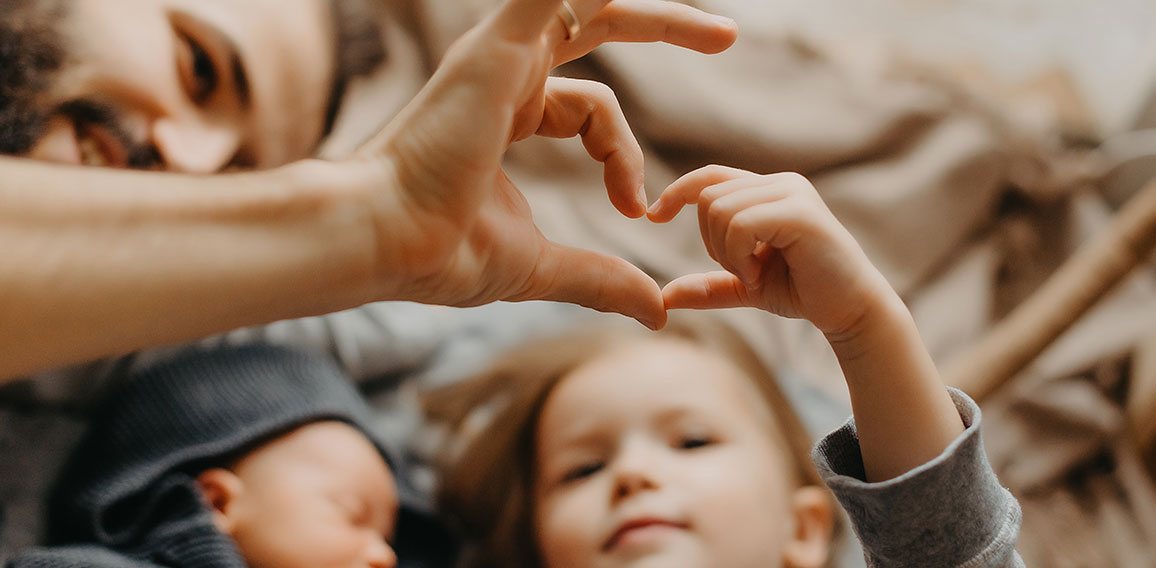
x: 950, y: 511
x: 75, y: 556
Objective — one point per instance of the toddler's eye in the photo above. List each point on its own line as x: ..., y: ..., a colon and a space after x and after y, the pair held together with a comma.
x: 581, y: 472
x: 694, y: 442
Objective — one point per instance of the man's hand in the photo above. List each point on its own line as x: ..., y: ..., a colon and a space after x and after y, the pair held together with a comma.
x: 458, y: 232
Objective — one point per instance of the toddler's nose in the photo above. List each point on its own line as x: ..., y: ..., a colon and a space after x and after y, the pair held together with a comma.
x: 633, y: 471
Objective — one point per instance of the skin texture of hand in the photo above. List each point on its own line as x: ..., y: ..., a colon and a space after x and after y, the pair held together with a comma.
x: 781, y: 248
x: 459, y: 232
x: 101, y: 262
x: 784, y: 252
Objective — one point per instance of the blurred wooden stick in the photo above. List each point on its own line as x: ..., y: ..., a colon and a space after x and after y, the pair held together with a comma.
x: 1091, y: 272
x: 1140, y: 406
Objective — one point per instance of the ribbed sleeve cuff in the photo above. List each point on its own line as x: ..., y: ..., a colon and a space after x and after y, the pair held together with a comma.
x: 950, y: 511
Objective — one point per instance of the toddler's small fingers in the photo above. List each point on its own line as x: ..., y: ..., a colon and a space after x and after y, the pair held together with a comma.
x: 687, y: 189
x: 709, y: 290
x: 721, y: 206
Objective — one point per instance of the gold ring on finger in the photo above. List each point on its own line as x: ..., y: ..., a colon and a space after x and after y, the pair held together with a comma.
x: 570, y: 20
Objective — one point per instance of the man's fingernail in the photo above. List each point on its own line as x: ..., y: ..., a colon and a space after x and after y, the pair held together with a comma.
x: 649, y: 325
x: 642, y: 195
x: 729, y: 22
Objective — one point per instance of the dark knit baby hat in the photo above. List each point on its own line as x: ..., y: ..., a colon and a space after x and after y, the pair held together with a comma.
x: 130, y: 486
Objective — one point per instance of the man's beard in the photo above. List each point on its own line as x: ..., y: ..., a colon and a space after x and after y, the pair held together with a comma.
x: 31, y: 59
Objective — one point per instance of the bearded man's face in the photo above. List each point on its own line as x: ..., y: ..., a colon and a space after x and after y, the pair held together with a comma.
x: 185, y: 85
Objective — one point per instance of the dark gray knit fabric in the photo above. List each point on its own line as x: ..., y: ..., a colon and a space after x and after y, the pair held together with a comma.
x: 128, y: 495
x: 950, y: 511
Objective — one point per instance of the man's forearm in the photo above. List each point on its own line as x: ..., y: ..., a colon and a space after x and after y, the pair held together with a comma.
x: 97, y: 263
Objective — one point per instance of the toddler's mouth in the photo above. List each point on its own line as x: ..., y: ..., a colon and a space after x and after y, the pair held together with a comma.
x: 639, y: 528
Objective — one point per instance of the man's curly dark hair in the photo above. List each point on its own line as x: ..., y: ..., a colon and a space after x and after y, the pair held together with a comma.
x: 360, y: 47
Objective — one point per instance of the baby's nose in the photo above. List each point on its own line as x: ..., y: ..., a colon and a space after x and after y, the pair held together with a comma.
x: 381, y: 555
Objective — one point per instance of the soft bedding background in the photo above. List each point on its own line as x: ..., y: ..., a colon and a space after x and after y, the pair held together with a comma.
x: 969, y: 145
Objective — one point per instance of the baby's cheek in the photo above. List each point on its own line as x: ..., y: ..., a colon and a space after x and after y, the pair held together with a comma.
x: 328, y: 544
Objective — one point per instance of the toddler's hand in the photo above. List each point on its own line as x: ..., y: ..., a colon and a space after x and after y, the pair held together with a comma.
x: 786, y: 253
x: 782, y: 249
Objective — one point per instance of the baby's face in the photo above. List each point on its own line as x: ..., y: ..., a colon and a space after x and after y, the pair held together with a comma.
x: 660, y: 454
x: 318, y: 497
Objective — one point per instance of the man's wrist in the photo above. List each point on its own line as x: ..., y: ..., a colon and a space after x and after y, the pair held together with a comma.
x: 340, y: 214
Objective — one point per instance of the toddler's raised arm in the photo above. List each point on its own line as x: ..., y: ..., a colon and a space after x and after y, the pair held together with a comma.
x: 784, y: 252
x: 909, y: 468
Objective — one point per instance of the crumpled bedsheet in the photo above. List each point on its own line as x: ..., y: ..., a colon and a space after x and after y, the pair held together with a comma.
x: 964, y: 208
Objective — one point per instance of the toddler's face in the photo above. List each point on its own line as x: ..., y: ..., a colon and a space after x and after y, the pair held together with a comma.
x: 661, y: 454
x: 320, y: 496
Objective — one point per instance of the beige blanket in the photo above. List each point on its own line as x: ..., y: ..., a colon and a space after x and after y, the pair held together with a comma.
x: 962, y: 206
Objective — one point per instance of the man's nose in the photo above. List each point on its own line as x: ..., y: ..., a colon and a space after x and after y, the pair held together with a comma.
x: 194, y: 144
x: 381, y: 555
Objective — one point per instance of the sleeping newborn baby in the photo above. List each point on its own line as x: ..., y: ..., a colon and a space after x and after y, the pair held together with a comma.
x: 244, y: 456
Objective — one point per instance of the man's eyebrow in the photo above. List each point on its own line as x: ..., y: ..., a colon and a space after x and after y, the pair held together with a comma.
x: 232, y: 54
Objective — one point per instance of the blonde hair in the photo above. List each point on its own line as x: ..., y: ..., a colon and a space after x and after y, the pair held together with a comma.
x: 486, y: 485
